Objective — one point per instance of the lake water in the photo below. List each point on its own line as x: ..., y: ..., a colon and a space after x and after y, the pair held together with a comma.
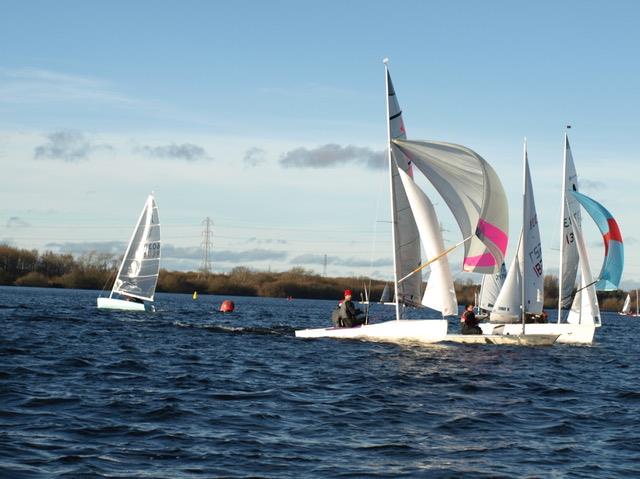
x: 191, y: 393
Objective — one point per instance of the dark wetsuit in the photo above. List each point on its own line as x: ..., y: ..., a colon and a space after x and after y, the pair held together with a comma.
x: 350, y: 315
x: 469, y: 323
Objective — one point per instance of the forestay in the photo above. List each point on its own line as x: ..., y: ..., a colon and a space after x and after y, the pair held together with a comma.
x: 474, y: 194
x: 440, y: 292
x: 138, y: 272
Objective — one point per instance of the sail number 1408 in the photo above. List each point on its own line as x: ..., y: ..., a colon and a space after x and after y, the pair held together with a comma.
x: 152, y: 250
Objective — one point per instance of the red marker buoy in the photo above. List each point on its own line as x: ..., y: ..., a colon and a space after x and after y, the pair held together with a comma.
x: 227, y: 306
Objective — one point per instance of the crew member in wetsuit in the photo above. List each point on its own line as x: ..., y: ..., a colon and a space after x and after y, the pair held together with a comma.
x: 469, y: 322
x: 349, y: 315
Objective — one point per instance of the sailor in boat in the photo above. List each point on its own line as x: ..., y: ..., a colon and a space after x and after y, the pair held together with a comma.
x: 346, y: 315
x: 469, y: 322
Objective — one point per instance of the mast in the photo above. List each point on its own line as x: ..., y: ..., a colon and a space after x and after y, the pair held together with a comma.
x: 524, y: 235
x: 393, y: 211
x: 562, y: 236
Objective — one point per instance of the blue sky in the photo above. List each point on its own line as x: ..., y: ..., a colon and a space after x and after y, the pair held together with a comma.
x: 267, y: 117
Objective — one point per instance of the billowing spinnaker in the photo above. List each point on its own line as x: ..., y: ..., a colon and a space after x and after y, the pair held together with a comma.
x: 474, y: 194
x: 440, y: 293
x: 407, y: 240
x: 611, y: 272
x: 138, y: 272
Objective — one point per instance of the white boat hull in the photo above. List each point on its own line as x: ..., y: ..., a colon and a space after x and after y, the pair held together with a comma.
x: 422, y: 330
x: 113, y: 303
x: 568, y: 333
x: 508, y: 339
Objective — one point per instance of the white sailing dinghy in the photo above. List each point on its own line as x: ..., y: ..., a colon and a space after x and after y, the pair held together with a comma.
x: 626, y: 307
x: 385, y: 297
x: 474, y: 193
x: 583, y: 318
x: 521, y: 294
x: 137, y: 277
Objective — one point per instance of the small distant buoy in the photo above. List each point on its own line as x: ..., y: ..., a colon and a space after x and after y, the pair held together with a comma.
x: 227, y: 306
x: 195, y: 295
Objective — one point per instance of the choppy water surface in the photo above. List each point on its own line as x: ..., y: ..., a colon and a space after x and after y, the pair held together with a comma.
x: 187, y: 392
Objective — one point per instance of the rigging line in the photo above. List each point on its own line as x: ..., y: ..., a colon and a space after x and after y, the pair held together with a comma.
x: 433, y: 260
x: 587, y: 285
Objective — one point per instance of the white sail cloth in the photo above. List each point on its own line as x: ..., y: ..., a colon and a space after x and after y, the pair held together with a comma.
x: 490, y: 287
x: 440, y: 292
x: 138, y: 273
x: 570, y: 212
x: 526, y: 266
x: 584, y: 309
x: 406, y: 237
x: 474, y: 194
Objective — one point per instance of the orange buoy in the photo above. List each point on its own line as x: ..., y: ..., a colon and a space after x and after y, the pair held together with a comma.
x: 227, y: 306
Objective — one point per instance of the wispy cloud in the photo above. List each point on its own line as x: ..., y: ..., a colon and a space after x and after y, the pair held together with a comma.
x: 32, y: 85
x: 69, y: 146
x: 330, y: 155
x: 254, y: 157
x: 248, y: 256
x: 266, y: 241
x: 591, y: 185
x: 112, y: 247
x: 319, y: 259
x: 184, y: 152
x: 17, y: 222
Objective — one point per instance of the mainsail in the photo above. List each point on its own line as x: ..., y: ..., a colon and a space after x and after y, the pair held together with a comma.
x: 474, y: 194
x: 611, y: 272
x: 406, y: 239
x: 568, y: 249
x: 525, y: 276
x: 531, y: 257
x: 440, y: 293
x: 138, y: 273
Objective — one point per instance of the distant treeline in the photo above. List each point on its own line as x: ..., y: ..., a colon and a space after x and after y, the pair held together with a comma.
x: 93, y: 270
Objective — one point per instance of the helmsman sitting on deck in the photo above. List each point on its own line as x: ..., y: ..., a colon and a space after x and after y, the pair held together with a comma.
x: 469, y: 322
x: 346, y: 315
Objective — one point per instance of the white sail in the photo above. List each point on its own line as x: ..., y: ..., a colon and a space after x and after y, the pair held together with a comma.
x: 626, y: 307
x: 568, y: 266
x: 474, y: 194
x: 138, y: 273
x: 406, y: 240
x: 525, y: 274
x: 490, y: 287
x: 385, y: 297
x: 506, y: 308
x: 440, y: 293
x: 584, y: 309
x: 531, y: 255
